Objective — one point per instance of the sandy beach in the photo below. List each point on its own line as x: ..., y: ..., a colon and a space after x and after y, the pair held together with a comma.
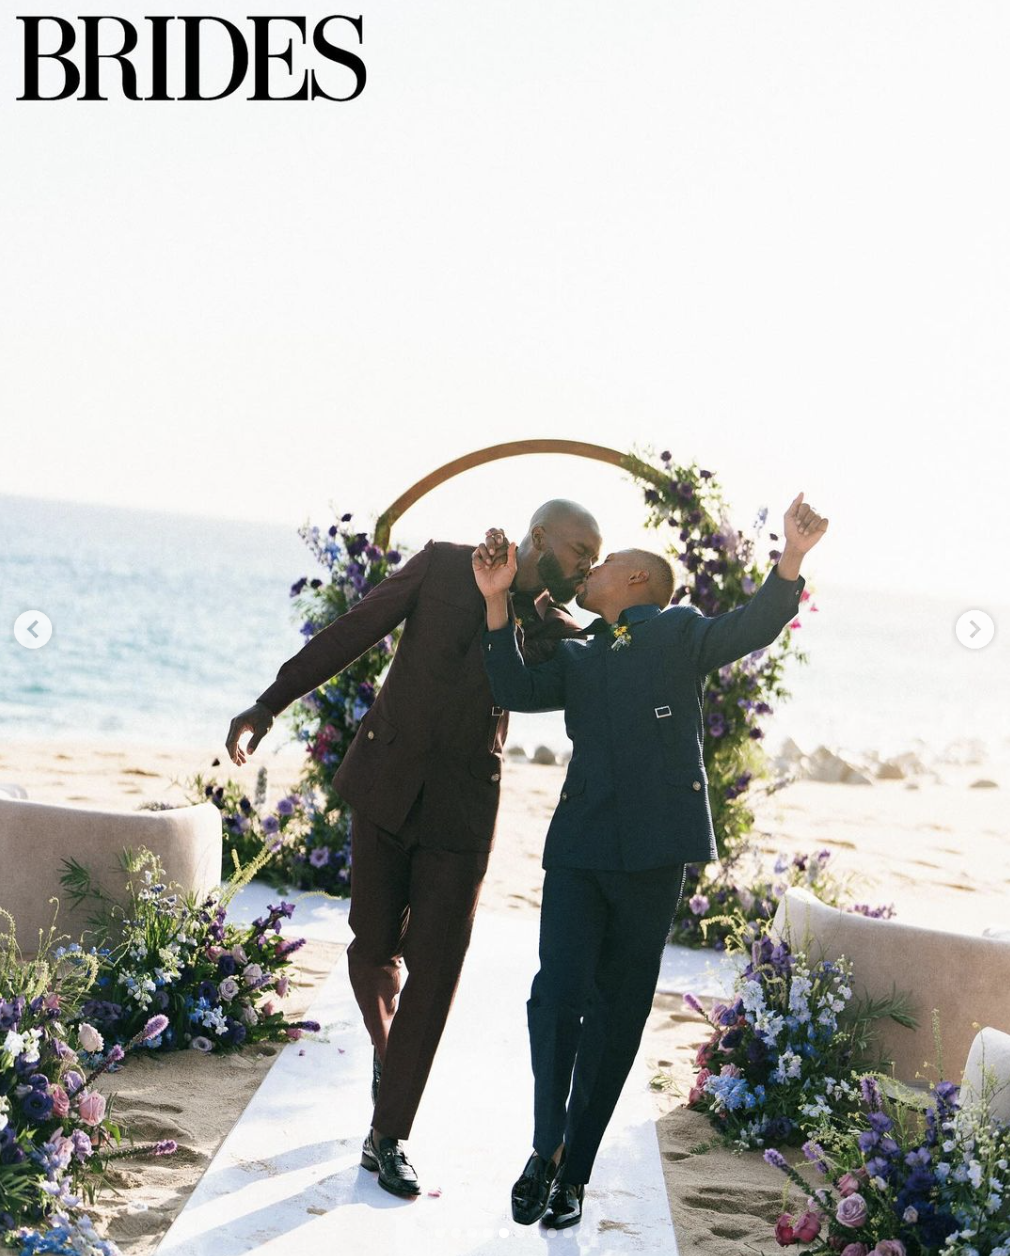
x: 931, y: 844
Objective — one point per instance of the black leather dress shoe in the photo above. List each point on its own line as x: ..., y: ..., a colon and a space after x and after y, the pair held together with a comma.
x: 534, y: 1189
x: 396, y: 1173
x: 566, y: 1206
x: 376, y: 1076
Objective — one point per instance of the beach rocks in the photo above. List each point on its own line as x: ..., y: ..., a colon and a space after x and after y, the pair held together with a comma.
x: 824, y: 765
x: 516, y: 752
x: 984, y: 783
x: 544, y: 755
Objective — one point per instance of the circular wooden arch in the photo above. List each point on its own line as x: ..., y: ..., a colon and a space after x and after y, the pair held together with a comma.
x: 512, y: 449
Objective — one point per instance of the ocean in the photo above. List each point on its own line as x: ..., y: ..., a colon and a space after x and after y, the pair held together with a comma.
x: 165, y: 626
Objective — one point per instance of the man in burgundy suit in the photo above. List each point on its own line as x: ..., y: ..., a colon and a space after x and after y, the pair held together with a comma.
x: 422, y: 780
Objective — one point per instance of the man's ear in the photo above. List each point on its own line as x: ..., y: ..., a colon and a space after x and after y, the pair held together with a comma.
x: 537, y: 537
x: 638, y: 577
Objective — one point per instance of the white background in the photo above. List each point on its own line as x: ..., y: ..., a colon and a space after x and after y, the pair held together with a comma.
x: 772, y: 238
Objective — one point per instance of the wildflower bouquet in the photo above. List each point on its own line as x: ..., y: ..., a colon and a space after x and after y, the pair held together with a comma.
x: 719, y: 895
x: 904, y: 1184
x: 56, y: 1130
x: 250, y: 828
x: 779, y: 1062
x: 211, y: 979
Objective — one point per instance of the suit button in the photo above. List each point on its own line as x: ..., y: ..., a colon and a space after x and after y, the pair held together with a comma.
x: 564, y: 797
x: 371, y: 735
x: 696, y: 784
x: 496, y: 776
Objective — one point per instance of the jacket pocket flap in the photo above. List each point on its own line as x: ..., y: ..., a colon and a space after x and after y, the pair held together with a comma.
x: 378, y: 729
x: 575, y: 783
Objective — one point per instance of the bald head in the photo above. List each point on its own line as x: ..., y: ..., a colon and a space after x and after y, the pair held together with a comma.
x: 660, y: 582
x: 561, y: 510
x: 561, y: 545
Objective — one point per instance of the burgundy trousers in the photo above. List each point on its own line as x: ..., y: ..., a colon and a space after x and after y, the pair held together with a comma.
x: 415, y: 905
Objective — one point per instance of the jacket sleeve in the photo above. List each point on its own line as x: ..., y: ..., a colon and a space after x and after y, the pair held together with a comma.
x: 516, y: 686
x: 349, y: 635
x: 720, y: 639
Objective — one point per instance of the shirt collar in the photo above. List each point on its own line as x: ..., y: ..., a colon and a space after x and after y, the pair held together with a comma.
x: 639, y: 613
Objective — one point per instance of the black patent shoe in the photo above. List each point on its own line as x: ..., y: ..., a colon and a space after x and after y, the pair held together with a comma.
x: 534, y: 1190
x: 376, y: 1076
x: 566, y: 1206
x: 396, y: 1173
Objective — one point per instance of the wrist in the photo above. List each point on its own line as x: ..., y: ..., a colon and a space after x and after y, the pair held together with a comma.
x: 788, y: 565
x: 497, y: 608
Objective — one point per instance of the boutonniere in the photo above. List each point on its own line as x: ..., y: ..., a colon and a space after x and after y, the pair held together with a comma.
x: 622, y: 637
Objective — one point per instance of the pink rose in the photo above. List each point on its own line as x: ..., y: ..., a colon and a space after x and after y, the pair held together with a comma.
x: 855, y: 1249
x: 851, y: 1211
x: 808, y: 1227
x: 293, y: 1034
x: 730, y: 1070
x: 239, y: 955
x: 268, y: 1008
x: 889, y: 1247
x: 784, y: 1233
x: 848, y: 1184
x: 61, y: 1100
x: 92, y: 1107
x: 215, y: 952
x: 282, y: 986
x: 698, y: 1089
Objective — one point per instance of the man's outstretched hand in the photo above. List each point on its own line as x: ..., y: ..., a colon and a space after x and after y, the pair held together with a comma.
x: 804, y: 527
x: 256, y: 720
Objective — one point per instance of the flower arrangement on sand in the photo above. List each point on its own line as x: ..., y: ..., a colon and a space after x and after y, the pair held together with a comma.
x: 780, y: 1061
x: 214, y: 982
x: 57, y: 1133
x: 906, y: 1183
x: 742, y: 887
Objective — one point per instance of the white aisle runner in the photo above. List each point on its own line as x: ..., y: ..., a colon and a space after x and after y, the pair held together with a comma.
x: 287, y: 1179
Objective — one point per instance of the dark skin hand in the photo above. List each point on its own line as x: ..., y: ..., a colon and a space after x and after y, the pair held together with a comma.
x: 258, y: 719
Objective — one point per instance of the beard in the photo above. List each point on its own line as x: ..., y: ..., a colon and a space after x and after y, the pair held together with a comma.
x: 558, y: 585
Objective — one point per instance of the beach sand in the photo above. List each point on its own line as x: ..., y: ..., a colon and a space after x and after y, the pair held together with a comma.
x: 939, y: 851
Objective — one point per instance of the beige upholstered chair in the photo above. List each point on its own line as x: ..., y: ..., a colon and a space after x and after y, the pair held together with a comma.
x: 966, y: 978
x: 36, y: 837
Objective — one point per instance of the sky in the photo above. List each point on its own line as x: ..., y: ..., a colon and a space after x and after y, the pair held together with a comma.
x: 771, y: 239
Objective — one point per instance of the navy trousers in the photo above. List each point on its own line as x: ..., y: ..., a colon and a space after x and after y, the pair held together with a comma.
x: 601, y: 946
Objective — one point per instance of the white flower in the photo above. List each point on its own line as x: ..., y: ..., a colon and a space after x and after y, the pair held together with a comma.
x: 252, y: 972
x: 911, y: 1215
x: 91, y: 1039
x: 975, y: 1174
x: 14, y: 1043
x: 879, y: 1183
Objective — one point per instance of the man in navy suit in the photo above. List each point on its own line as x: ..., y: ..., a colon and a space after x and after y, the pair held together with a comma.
x: 633, y: 811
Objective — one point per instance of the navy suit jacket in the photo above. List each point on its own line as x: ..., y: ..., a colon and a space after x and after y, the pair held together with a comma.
x: 635, y: 796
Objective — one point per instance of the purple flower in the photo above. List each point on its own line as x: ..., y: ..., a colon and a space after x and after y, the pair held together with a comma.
x: 226, y: 966
x: 692, y: 1002
x: 271, y: 824
x: 332, y: 530
x: 393, y: 557
x: 285, y: 807
x: 82, y: 1145
x: 852, y: 1211
x: 319, y: 857
x: 346, y: 518
x: 289, y: 947
x: 775, y: 1159
x: 155, y: 1026
x: 37, y: 1105
x: 200, y: 1043
x: 167, y: 1147
x: 699, y: 904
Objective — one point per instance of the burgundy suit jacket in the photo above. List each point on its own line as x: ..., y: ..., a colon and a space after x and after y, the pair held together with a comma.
x: 433, y: 724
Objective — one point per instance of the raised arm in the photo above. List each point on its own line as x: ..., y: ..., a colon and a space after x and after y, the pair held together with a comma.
x: 513, y: 685
x: 723, y: 638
